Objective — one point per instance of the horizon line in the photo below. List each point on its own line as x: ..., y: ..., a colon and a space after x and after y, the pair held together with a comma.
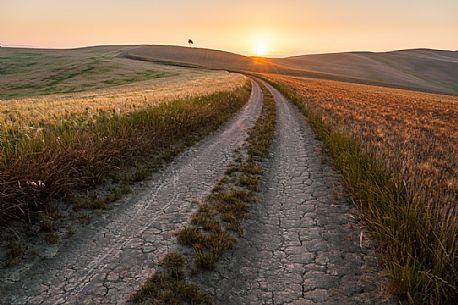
x: 293, y: 54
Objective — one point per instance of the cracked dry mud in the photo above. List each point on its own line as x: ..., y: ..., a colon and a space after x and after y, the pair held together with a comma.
x: 302, y: 241
x: 110, y: 259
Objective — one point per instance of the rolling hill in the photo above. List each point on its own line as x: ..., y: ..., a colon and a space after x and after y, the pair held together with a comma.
x: 421, y: 69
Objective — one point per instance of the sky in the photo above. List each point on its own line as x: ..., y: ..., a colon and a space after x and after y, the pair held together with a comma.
x: 267, y: 27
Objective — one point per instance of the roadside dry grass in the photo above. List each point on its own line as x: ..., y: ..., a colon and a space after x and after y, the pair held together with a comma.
x: 41, y: 165
x: 217, y: 222
x: 398, y: 153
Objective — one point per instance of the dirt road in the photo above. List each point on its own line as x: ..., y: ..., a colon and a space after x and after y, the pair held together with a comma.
x: 302, y: 242
x: 110, y: 259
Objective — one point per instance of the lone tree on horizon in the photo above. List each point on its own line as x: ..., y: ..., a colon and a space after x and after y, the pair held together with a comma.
x: 190, y: 42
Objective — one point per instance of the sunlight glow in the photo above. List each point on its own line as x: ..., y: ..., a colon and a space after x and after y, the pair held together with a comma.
x: 260, y: 49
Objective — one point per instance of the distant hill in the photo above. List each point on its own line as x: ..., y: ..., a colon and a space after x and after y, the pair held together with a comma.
x: 423, y: 69
x: 417, y: 68
x: 199, y: 57
x: 420, y: 69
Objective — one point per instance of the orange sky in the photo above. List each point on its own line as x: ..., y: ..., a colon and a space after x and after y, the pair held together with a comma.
x: 284, y: 27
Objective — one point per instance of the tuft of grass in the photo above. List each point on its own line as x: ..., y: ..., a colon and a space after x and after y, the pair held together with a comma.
x: 250, y: 168
x: 205, y: 259
x: 208, y: 245
x: 170, y: 287
x: 204, y: 218
x: 141, y: 173
x: 250, y: 182
x: 231, y: 169
x: 420, y: 254
x: 174, y: 264
x: 162, y: 289
x: 189, y: 236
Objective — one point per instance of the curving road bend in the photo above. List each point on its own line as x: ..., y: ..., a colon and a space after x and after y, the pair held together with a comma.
x: 113, y: 257
x: 302, y: 242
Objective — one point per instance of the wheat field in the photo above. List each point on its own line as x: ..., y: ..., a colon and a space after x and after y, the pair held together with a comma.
x: 415, y: 133
x: 47, y: 109
x: 397, y: 151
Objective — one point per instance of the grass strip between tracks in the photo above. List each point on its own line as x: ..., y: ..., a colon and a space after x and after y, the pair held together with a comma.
x: 217, y: 223
x: 421, y: 259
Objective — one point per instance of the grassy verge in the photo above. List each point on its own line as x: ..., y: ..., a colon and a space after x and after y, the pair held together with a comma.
x: 217, y: 223
x: 421, y: 256
x: 58, y: 161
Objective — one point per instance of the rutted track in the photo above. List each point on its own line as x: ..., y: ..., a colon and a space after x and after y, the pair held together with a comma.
x: 111, y: 259
x: 302, y: 242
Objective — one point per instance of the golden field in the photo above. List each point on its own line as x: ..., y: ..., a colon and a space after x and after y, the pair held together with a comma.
x: 397, y: 151
x: 415, y: 133
x: 181, y: 83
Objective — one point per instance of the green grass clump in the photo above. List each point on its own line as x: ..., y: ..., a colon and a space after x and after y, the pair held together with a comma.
x: 420, y: 254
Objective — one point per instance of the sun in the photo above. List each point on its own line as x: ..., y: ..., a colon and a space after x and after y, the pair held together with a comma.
x: 260, y: 49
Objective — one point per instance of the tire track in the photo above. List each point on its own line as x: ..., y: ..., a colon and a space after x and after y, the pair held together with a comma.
x: 111, y: 258
x: 302, y: 241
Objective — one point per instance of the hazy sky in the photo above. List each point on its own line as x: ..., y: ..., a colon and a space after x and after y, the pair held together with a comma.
x: 283, y: 27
